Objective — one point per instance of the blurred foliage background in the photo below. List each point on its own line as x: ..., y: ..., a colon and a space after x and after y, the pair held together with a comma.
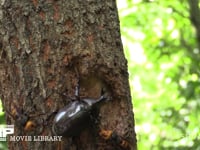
x: 3, y: 145
x: 163, y: 55
x: 162, y: 50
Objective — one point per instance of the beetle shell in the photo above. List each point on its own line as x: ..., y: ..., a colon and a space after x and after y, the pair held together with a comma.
x: 68, y: 121
x: 74, y: 117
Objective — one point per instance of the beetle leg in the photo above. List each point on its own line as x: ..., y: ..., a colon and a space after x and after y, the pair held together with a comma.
x: 78, y: 85
x: 77, y: 91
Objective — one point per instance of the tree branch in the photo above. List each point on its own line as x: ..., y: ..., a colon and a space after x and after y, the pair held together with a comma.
x: 195, y: 17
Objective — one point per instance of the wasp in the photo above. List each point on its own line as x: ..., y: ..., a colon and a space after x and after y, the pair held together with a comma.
x: 116, y: 139
x: 21, y: 118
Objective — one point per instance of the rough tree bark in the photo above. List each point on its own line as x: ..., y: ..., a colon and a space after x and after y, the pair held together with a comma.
x: 41, y: 44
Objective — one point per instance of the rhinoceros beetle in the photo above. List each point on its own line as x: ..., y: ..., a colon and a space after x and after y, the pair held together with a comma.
x: 74, y: 117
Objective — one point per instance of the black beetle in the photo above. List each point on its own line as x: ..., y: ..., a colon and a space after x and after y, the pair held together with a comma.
x: 73, y: 118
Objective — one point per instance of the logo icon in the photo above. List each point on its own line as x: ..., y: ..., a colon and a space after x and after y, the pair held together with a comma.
x: 5, y: 130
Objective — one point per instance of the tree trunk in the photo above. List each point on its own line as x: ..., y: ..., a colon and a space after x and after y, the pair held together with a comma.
x: 46, y: 48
